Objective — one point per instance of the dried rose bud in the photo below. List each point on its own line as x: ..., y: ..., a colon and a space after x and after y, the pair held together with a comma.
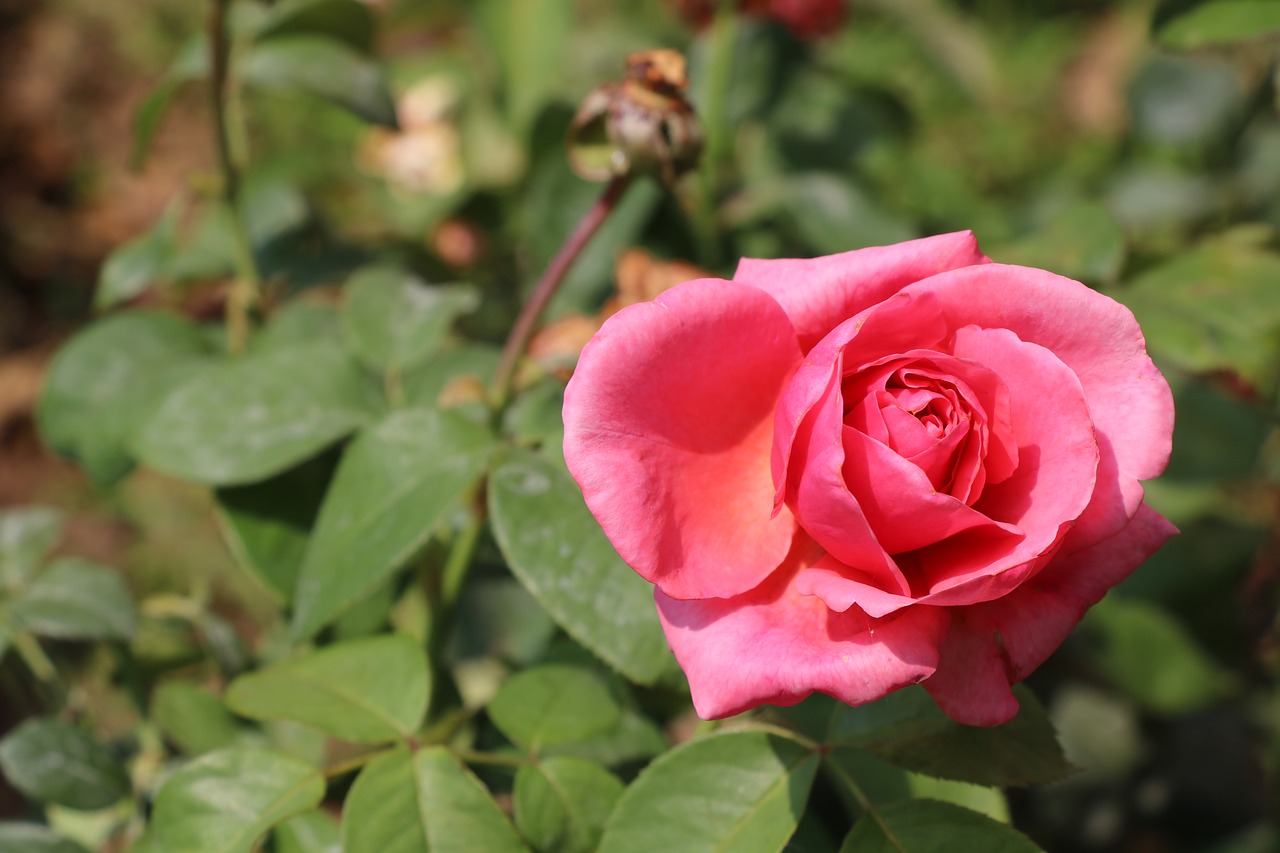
x: 642, y: 124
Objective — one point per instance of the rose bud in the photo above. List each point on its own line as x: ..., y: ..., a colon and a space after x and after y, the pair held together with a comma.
x: 897, y: 465
x: 807, y: 19
x: 641, y: 124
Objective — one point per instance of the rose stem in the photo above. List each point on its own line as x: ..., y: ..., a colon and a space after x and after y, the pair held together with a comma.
x: 522, y: 331
x: 247, y: 285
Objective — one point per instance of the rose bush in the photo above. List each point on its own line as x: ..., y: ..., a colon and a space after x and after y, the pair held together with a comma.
x: 850, y: 474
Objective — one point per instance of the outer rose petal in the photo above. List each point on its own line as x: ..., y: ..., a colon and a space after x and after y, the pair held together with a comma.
x: 668, y: 429
x: 1098, y: 338
x: 996, y: 644
x: 819, y: 294
x: 774, y: 645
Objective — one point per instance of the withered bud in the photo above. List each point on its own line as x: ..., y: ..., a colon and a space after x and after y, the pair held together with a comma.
x: 641, y: 124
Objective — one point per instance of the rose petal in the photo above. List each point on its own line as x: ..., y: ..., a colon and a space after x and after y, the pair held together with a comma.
x: 1099, y: 340
x: 1025, y: 627
x: 820, y: 293
x: 668, y: 427
x: 774, y: 645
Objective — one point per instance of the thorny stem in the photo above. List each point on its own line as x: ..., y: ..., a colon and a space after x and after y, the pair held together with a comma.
x: 246, y: 288
x: 522, y: 331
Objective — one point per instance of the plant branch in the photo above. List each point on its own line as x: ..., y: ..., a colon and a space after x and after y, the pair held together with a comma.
x: 522, y: 331
x: 246, y: 288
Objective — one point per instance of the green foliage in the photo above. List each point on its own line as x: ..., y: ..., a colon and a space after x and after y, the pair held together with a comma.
x: 547, y: 534
x: 423, y: 800
x: 372, y: 690
x: 740, y: 790
x: 225, y: 801
x: 416, y: 636
x: 928, y: 826
x: 396, y: 482
x: 53, y: 762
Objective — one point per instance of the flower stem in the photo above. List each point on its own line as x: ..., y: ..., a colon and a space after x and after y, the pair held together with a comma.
x: 246, y: 288
x: 522, y: 331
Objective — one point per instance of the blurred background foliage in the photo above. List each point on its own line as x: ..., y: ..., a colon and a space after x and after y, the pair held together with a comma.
x: 1134, y: 146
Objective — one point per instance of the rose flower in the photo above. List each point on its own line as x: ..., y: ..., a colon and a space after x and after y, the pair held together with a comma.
x: 892, y: 466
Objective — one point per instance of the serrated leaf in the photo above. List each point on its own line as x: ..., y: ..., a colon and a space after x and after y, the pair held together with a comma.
x: 562, y: 803
x: 225, y: 801
x: 323, y: 67
x: 26, y: 536
x: 107, y: 381
x: 743, y: 791
x: 547, y: 705
x: 396, y: 482
x: 346, y: 21
x: 559, y: 553
x: 243, y: 420
x: 929, y: 826
x: 393, y: 321
x: 1220, y: 22
x: 54, y: 762
x: 75, y: 599
x: 370, y: 690
x: 1023, y: 751
x: 268, y: 524
x: 139, y: 263
x: 310, y: 832
x: 423, y: 802
x: 193, y: 719
x: 34, y: 838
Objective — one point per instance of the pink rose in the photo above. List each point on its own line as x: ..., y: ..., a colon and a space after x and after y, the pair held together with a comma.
x: 893, y: 466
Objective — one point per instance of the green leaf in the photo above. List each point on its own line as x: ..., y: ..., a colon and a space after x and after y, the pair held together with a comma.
x: 396, y: 482
x: 1081, y: 241
x: 34, y: 838
x: 1151, y: 658
x: 53, y: 762
x: 1220, y: 22
x: 26, y: 536
x: 742, y: 791
x: 224, y: 801
x: 191, y: 63
x: 928, y: 826
x: 635, y: 738
x: 243, y: 420
x: 530, y: 39
x: 370, y: 690
x: 310, y: 832
x: 1213, y: 307
x: 346, y: 21
x: 902, y: 729
x: 193, y: 719
x: 561, y: 804
x: 106, y: 382
x: 299, y: 322
x: 77, y: 600
x: 138, y: 264
x: 323, y: 67
x: 268, y: 524
x: 422, y: 385
x: 553, y: 704
x: 423, y: 802
x: 559, y: 553
x: 393, y: 321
